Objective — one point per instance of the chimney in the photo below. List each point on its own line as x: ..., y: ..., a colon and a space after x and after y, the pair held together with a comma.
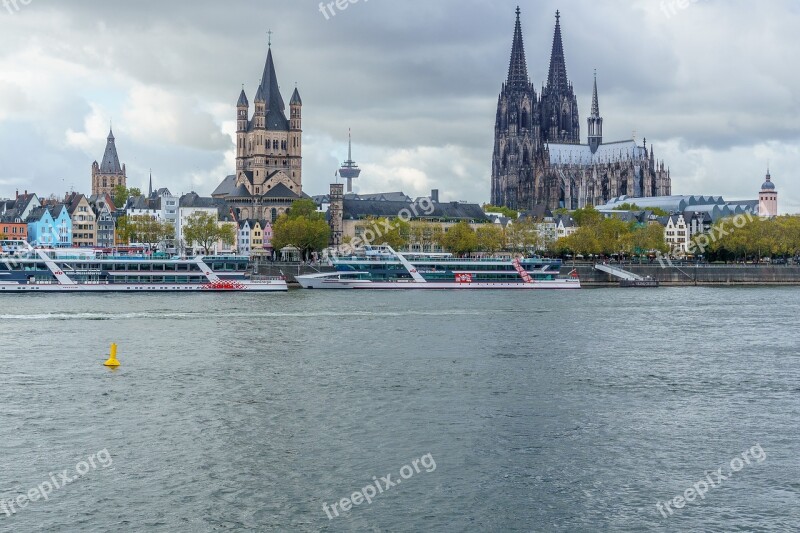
x: 17, y: 194
x: 435, y: 196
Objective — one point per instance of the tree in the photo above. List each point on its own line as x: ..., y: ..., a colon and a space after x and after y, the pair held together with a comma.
x: 523, y: 235
x: 588, y: 216
x: 302, y: 227
x: 648, y: 238
x: 460, y: 239
x: 145, y: 229
x: 120, y: 196
x: 395, y: 233
x: 491, y: 238
x: 426, y: 235
x: 204, y: 229
x: 505, y: 211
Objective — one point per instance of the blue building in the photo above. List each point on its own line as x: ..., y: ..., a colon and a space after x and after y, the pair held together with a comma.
x: 41, y: 228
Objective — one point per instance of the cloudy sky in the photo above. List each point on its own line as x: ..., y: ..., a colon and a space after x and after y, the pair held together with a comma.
x: 714, y: 86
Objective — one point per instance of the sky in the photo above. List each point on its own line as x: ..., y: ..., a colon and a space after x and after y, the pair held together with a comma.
x: 712, y: 85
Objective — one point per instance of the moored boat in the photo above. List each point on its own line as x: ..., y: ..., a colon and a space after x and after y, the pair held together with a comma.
x: 384, y: 268
x: 88, y: 270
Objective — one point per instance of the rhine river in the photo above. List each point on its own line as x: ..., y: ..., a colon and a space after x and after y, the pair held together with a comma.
x: 543, y: 411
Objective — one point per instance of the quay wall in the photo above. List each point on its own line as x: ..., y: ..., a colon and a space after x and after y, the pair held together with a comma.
x: 689, y: 275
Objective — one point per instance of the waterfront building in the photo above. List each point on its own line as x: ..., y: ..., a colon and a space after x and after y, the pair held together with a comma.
x: 12, y: 227
x: 538, y: 158
x: 103, y: 209
x: 677, y: 233
x: 21, y: 206
x: 565, y: 225
x: 41, y: 228
x: 109, y: 173
x: 192, y: 203
x: 714, y: 206
x: 427, y: 216
x: 768, y: 199
x: 62, y: 222
x: 84, y: 220
x: 244, y: 237
x: 269, y: 152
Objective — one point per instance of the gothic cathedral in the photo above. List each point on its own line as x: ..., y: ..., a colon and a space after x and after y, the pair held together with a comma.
x: 538, y: 158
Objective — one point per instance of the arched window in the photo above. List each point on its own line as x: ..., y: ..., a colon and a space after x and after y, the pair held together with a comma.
x: 274, y: 214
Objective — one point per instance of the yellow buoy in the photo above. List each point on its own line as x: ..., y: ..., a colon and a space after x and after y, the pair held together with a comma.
x: 112, y: 358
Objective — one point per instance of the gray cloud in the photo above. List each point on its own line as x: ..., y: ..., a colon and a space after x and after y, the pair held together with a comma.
x: 713, y: 84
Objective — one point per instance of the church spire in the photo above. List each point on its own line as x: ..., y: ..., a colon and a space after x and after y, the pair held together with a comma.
x: 110, y: 164
x: 595, y: 104
x: 595, y: 121
x: 517, y: 67
x: 557, y: 78
x: 150, y: 188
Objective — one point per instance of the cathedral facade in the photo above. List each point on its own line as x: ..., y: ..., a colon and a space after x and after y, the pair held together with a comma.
x: 538, y: 157
x: 269, y: 152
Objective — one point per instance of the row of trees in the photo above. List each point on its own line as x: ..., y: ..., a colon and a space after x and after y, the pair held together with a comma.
x: 201, y: 228
x: 597, y: 235
x: 749, y: 238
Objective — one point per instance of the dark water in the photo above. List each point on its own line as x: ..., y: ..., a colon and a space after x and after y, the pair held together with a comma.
x: 554, y: 411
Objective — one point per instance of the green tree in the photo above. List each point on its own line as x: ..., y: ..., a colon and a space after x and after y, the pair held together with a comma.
x: 204, y: 229
x: 523, y: 235
x: 120, y: 196
x: 588, y: 216
x: 648, y: 238
x: 491, y: 238
x: 302, y: 227
x: 460, y: 239
x: 505, y: 211
x: 145, y: 229
x: 395, y: 233
x: 426, y: 235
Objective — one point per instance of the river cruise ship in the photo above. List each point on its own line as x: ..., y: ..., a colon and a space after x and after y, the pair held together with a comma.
x: 89, y: 270
x: 383, y: 268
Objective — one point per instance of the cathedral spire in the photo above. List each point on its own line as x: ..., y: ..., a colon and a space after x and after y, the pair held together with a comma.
x: 595, y: 104
x: 595, y: 121
x: 517, y: 67
x: 557, y: 78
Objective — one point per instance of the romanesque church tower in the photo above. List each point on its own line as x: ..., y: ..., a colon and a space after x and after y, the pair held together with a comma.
x: 109, y: 173
x: 269, y: 151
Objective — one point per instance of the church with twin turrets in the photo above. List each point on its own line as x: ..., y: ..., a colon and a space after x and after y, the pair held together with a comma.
x: 538, y: 157
x: 269, y: 152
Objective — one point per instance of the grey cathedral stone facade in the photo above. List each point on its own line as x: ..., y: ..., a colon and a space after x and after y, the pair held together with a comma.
x: 538, y: 156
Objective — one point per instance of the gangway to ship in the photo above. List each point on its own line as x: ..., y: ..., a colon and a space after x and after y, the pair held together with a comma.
x: 618, y: 272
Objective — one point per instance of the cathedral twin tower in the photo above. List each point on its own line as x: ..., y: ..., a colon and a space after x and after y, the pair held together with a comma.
x: 538, y: 158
